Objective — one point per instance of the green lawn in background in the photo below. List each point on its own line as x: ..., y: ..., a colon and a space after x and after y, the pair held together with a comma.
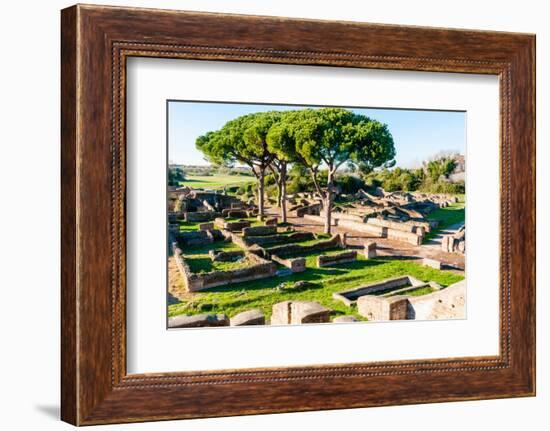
x: 262, y: 294
x: 216, y: 181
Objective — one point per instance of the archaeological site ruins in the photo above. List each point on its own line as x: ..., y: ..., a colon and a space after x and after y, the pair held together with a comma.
x: 299, y: 215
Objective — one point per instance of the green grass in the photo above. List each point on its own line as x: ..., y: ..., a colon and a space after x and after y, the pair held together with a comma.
x: 453, y: 214
x: 419, y: 291
x: 199, y: 261
x: 202, y: 263
x: 253, y: 220
x: 215, y: 181
x: 262, y: 294
x: 189, y: 226
x: 196, y: 250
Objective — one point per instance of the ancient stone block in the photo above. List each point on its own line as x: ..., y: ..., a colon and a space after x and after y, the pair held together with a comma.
x: 232, y: 226
x: 201, y: 216
x: 380, y: 308
x: 369, y: 229
x: 345, y: 319
x: 198, y: 321
x: 269, y: 240
x: 286, y: 249
x: 237, y: 214
x: 225, y: 256
x: 336, y: 259
x: 198, y: 237
x: 370, y: 250
x: 409, y: 237
x: 308, y: 312
x: 280, y: 313
x: 206, y: 226
x: 297, y: 264
x: 271, y: 221
x: 249, y: 317
x: 436, y: 264
x: 259, y: 230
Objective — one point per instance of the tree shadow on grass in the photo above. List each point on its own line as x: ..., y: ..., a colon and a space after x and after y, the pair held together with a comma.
x: 311, y: 274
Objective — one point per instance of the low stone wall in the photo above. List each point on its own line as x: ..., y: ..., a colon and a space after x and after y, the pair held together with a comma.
x: 289, y: 249
x: 409, y: 237
x: 198, y: 237
x: 375, y: 231
x: 259, y: 230
x: 350, y: 297
x: 278, y: 239
x: 174, y: 217
x: 206, y: 226
x: 232, y: 226
x: 336, y: 259
x: 402, y: 226
x: 358, y: 218
x: 297, y: 264
x: 196, y: 282
x: 234, y: 213
x: 201, y: 216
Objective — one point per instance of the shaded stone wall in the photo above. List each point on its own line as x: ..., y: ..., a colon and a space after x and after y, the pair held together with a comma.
x: 336, y: 259
x: 288, y: 249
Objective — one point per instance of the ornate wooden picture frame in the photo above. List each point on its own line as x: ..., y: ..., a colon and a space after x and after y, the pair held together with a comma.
x: 96, y: 41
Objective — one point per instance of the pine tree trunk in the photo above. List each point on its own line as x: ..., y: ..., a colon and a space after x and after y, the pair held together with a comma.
x: 328, y: 203
x: 261, y: 187
x: 282, y: 194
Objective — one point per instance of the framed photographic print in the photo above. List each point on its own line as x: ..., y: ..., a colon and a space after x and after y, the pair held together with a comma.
x: 323, y: 214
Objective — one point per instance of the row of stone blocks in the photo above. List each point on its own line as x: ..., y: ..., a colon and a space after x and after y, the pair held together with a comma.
x: 413, y: 238
x: 249, y: 317
x: 284, y: 313
x: 261, y: 268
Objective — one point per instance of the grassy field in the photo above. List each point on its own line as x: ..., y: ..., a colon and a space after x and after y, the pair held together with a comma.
x: 216, y: 181
x: 262, y: 294
x: 453, y: 214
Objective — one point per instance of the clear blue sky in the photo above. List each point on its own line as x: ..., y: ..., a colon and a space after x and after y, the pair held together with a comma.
x: 417, y: 135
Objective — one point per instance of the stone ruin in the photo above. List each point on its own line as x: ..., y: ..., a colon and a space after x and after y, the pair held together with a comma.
x: 201, y: 206
x: 455, y: 243
x: 336, y: 259
x: 299, y: 312
x: 194, y: 282
x: 397, y: 216
x: 388, y: 300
